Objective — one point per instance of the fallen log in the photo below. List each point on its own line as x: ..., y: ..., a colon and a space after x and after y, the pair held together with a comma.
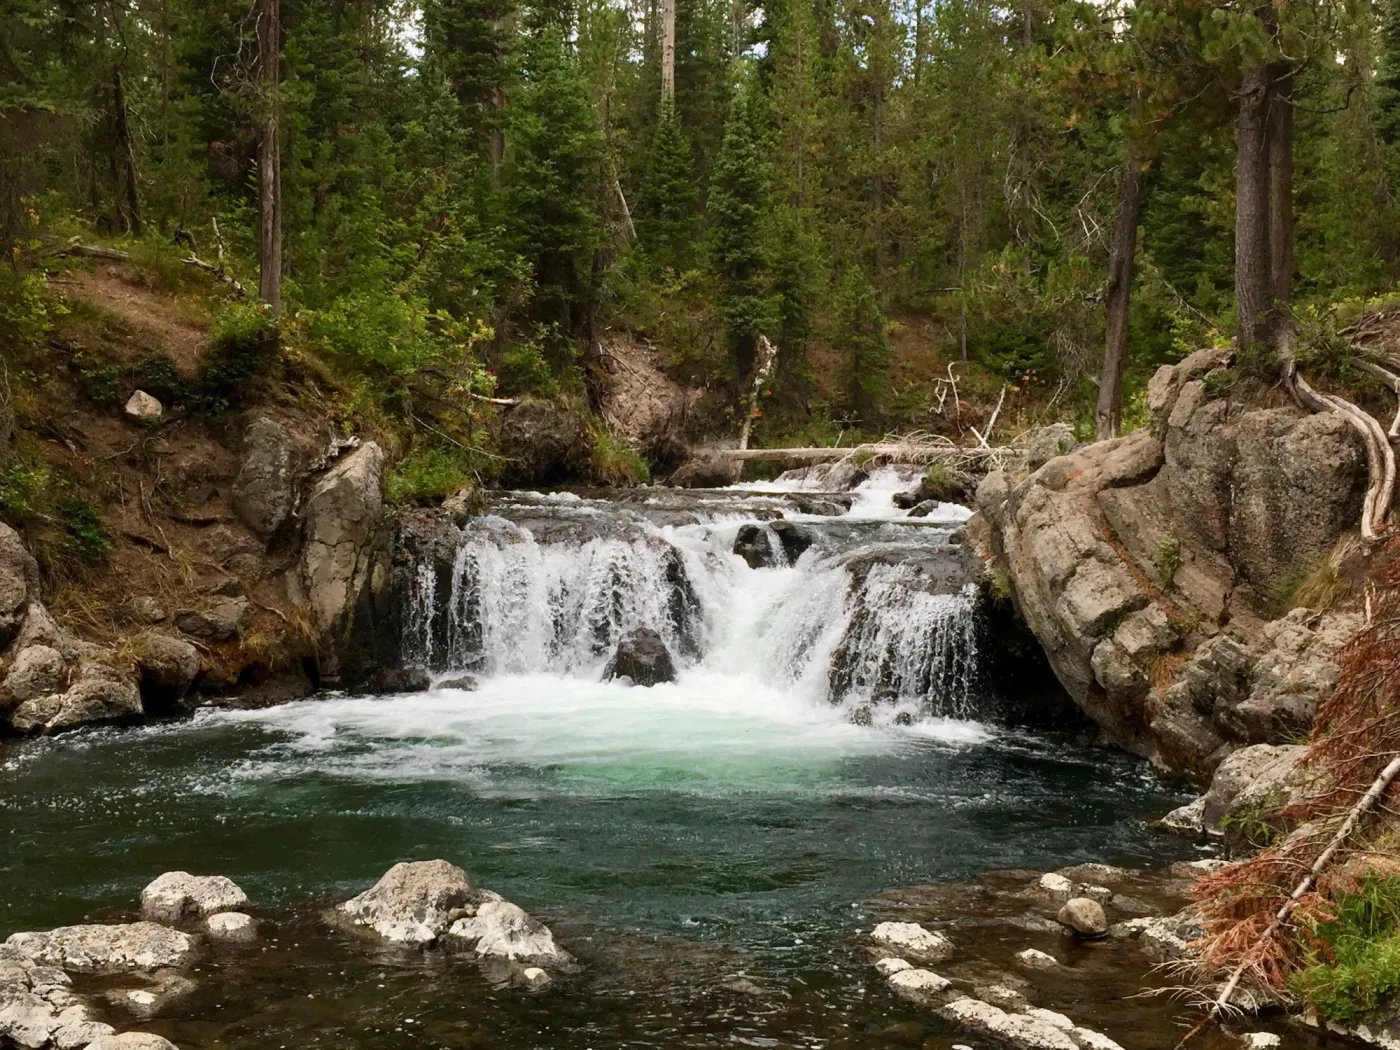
x: 893, y: 453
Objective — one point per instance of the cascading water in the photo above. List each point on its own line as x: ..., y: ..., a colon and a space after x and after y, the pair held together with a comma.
x: 856, y: 619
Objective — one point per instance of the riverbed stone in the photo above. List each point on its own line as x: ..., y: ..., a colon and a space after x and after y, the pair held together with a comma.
x: 643, y: 657
x: 922, y: 986
x: 413, y: 902
x: 1018, y: 1030
x: 1085, y: 916
x: 102, y: 949
x: 913, y: 941
x: 1055, y: 886
x: 795, y: 539
x: 37, y: 671
x: 1169, y: 938
x: 178, y: 895
x: 231, y: 926
x: 891, y: 965
x: 535, y: 977
x: 503, y: 930
x: 132, y: 1041
x: 1035, y: 959
x: 38, y: 1008
x: 751, y: 544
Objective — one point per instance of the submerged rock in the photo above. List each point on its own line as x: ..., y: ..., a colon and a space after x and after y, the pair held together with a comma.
x: 179, y: 895
x: 101, y: 949
x: 414, y: 902
x: 752, y: 545
x: 1035, y: 959
x: 132, y: 1041
x: 500, y: 929
x: 643, y: 657
x: 913, y: 941
x: 231, y: 926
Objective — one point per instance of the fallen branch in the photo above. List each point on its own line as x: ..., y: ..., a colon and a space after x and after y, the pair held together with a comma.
x: 982, y: 438
x: 216, y: 270
x: 1362, y: 807
x: 507, y: 401
x: 1391, y: 380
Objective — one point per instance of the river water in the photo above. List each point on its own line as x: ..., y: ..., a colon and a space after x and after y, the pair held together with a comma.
x: 705, y: 846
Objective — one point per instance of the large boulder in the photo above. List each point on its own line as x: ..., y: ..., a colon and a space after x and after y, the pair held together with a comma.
x: 19, y: 583
x: 414, y: 902
x: 1258, y: 778
x: 123, y: 948
x: 643, y: 657
x: 543, y: 442
x: 706, y: 470
x: 179, y: 895
x: 37, y: 671
x: 38, y: 1009
x: 500, y: 929
x: 167, y: 667
x: 264, y: 493
x: 219, y: 622
x: 340, y: 566
x: 751, y: 544
x: 795, y: 539
x: 101, y: 696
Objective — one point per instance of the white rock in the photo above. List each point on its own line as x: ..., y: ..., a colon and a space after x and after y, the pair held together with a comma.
x: 1004, y: 996
x: 919, y: 985
x: 912, y: 941
x: 1051, y: 1018
x: 413, y: 902
x: 890, y: 966
x: 1261, y: 1041
x: 80, y: 1034
x: 1019, y: 1030
x: 103, y: 949
x: 179, y: 895
x: 132, y: 1041
x: 1035, y: 959
x: 1056, y: 886
x: 1102, y: 894
x: 534, y: 977
x: 231, y: 926
x: 503, y: 930
x: 143, y: 408
x: 1193, y: 869
x: 1084, y: 916
x: 1128, y: 929
x: 1189, y: 819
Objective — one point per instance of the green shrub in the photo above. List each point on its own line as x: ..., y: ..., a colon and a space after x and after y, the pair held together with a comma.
x: 98, y: 381
x: 942, y: 483
x: 616, y: 463
x: 376, y: 330
x: 32, y: 493
x: 25, y: 311
x: 85, y: 533
x: 25, y: 486
x: 1354, y: 959
x: 1168, y: 560
x: 243, y: 346
x: 427, y: 473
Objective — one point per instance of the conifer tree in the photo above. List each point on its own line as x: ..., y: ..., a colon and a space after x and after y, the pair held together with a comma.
x: 737, y: 207
x: 666, y: 223
x: 860, y: 336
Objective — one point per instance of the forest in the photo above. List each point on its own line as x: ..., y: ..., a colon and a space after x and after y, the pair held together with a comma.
x: 466, y: 193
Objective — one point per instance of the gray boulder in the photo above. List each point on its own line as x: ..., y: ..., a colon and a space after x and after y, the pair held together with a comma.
x: 178, y: 895
x: 36, y: 671
x: 19, y: 583
x: 124, y: 948
x: 167, y: 667
x: 220, y: 622
x: 795, y: 539
x: 102, y: 697
x: 1262, y: 777
x: 264, y: 493
x: 1084, y: 916
x: 706, y: 471
x: 643, y: 657
x: 751, y: 544
x: 132, y: 1041
x: 231, y: 926
x: 391, y: 680
x: 414, y: 902
x: 38, y: 1008
x: 1045, y: 443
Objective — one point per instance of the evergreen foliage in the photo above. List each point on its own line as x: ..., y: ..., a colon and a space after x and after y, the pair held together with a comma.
x: 666, y: 222
x: 861, y: 337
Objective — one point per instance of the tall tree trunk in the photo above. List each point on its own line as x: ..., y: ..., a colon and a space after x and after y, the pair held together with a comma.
x: 1119, y: 298
x: 269, y: 159
x: 1281, y: 183
x: 668, y: 54
x: 122, y: 127
x: 878, y: 194
x: 1253, y: 277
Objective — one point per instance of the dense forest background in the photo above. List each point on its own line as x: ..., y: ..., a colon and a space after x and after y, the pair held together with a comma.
x: 476, y: 189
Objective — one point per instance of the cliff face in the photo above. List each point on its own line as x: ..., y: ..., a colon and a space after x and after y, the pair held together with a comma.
x: 1149, y: 567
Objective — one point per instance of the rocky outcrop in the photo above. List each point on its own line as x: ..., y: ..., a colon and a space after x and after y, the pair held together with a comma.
x: 38, y: 1009
x: 264, y: 493
x: 168, y: 668
x: 641, y: 656
x: 101, y: 694
x: 751, y: 544
x: 501, y: 930
x: 413, y: 902
x: 1146, y: 567
x: 543, y: 442
x: 343, y: 573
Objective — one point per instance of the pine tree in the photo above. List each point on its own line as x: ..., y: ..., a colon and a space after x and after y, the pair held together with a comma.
x: 737, y: 207
x: 796, y: 264
x: 666, y: 219
x: 860, y: 336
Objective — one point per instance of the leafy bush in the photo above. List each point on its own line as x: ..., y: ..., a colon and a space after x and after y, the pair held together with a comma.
x: 427, y: 473
x: 1354, y: 957
x: 243, y: 345
x: 25, y: 311
x: 32, y: 493
x: 616, y: 463
x: 85, y: 533
x: 374, y: 330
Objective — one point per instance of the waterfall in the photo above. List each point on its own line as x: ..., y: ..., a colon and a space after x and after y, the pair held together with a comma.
x: 855, y: 622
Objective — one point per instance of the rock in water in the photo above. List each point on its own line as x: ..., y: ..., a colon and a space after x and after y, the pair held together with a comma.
x: 231, y: 926
x: 132, y: 1041
x: 912, y: 941
x: 179, y: 895
x: 390, y: 680
x: 102, y: 949
x: 413, y: 902
x: 643, y: 657
x: 752, y: 545
x: 168, y: 667
x: 1084, y: 916
x: 503, y: 930
x: 794, y: 538
x: 143, y: 408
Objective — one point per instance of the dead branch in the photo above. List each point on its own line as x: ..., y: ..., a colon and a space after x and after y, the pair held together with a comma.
x: 1363, y: 806
x: 216, y: 270
x: 1391, y: 380
x: 506, y: 401
x: 767, y: 357
x: 991, y: 423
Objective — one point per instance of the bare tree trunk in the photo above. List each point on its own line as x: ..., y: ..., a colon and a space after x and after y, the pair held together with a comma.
x: 122, y: 127
x: 668, y: 54
x: 1281, y: 183
x: 1253, y: 287
x: 1119, y: 299
x: 269, y: 159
